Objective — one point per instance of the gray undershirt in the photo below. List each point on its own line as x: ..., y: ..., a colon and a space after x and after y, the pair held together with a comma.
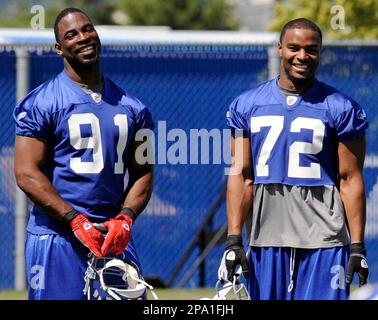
x: 98, y: 88
x: 297, y: 216
x: 288, y: 92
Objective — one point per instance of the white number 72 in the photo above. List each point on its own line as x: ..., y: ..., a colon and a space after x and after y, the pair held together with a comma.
x: 276, y: 124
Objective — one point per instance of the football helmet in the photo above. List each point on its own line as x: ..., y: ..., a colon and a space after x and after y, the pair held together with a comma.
x: 115, y: 278
x: 227, y: 290
x: 230, y: 290
x: 366, y: 292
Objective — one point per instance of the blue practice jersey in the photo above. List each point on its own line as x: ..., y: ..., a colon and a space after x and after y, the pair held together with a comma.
x: 88, y: 139
x: 295, y: 143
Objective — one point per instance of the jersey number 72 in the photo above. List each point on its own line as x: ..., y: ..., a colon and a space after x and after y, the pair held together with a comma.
x: 276, y: 124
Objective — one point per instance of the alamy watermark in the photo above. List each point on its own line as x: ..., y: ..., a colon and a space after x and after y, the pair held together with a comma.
x: 338, y: 19
x: 37, y: 21
x: 177, y: 146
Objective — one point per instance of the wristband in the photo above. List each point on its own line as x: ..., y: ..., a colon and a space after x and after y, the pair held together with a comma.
x: 70, y: 215
x: 358, y: 247
x: 234, y: 240
x: 129, y: 212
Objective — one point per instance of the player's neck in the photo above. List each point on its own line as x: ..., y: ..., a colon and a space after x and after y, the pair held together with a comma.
x: 88, y: 75
x: 295, y: 86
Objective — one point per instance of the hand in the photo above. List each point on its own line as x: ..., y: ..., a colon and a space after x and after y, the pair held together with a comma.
x: 118, y: 236
x: 357, y: 263
x: 234, y: 255
x: 87, y: 234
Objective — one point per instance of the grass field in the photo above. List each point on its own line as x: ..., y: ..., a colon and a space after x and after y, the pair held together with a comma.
x: 163, y: 294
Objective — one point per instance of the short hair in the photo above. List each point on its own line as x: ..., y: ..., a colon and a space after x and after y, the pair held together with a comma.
x: 61, y: 15
x: 301, y: 23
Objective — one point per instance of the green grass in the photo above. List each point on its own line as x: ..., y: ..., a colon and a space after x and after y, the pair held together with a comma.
x: 163, y: 294
x: 13, y: 295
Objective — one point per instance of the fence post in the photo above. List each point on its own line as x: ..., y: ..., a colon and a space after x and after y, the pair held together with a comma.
x: 22, y: 88
x: 273, y: 61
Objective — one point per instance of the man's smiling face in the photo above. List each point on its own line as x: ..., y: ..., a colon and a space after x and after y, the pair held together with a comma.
x: 300, y: 52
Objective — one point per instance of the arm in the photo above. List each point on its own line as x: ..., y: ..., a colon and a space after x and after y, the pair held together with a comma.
x: 239, y: 202
x: 29, y: 156
x: 352, y: 191
x: 141, y: 176
x: 239, y: 184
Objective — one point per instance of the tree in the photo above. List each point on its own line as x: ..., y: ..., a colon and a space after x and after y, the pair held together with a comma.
x: 180, y: 14
x: 21, y: 16
x: 341, y: 19
x: 100, y: 12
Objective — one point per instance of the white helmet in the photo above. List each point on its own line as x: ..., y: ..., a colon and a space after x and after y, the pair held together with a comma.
x: 227, y: 290
x: 236, y: 288
x: 366, y: 292
x: 111, y: 278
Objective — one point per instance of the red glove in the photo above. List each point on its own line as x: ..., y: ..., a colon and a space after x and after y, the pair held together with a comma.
x: 118, y: 236
x: 87, y: 234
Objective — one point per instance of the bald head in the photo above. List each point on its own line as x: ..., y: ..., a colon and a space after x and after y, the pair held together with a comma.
x: 61, y: 15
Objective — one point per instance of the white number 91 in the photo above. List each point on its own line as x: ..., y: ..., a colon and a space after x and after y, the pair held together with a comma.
x: 94, y: 142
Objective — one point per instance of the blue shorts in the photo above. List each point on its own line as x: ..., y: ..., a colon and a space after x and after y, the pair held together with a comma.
x: 56, y: 266
x: 298, y: 274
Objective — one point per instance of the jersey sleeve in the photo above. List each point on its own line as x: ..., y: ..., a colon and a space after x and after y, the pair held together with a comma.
x: 142, y: 115
x: 236, y: 118
x: 351, y: 123
x: 31, y: 120
x: 144, y: 119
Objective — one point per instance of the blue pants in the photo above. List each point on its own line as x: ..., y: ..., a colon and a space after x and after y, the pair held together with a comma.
x: 314, y: 274
x: 56, y: 265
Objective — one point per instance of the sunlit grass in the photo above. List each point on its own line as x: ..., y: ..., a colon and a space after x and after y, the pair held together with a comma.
x: 163, y: 294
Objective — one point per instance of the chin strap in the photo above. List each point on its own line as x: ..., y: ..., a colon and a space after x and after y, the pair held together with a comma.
x: 90, y: 274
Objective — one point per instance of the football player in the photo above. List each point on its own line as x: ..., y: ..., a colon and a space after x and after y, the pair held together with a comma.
x: 75, y: 158
x: 298, y: 151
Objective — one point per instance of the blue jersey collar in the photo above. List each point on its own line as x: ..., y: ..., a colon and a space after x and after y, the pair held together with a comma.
x: 304, y: 96
x: 80, y: 95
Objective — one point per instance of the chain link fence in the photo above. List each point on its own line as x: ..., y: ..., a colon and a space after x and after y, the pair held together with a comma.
x: 7, y: 183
